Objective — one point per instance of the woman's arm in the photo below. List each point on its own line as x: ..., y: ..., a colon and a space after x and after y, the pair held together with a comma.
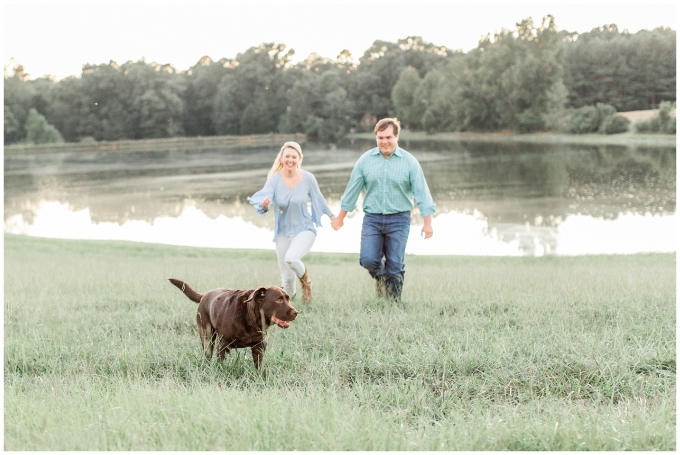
x: 263, y: 198
x: 319, y: 204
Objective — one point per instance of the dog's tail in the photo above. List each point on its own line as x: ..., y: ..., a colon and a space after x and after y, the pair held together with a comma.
x: 193, y: 295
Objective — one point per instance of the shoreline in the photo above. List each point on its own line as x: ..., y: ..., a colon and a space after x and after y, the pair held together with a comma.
x: 157, y: 145
x: 626, y: 139
x: 195, y: 143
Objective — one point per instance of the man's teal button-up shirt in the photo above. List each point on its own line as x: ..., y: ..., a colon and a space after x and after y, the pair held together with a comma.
x: 391, y: 184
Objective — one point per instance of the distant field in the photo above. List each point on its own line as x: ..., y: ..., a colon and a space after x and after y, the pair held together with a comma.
x: 549, y: 353
x: 634, y: 116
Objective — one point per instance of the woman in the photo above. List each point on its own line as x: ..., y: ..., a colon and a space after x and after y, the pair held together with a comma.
x: 287, y: 191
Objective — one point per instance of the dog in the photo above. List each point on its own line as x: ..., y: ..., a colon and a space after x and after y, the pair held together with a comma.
x: 230, y: 318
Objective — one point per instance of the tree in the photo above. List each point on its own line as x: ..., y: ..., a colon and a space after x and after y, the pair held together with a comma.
x: 555, y: 117
x: 257, y: 79
x: 318, y: 106
x: 227, y: 112
x: 507, y: 82
x: 426, y: 100
x: 12, y: 131
x: 654, y: 60
x: 425, y: 56
x: 336, y: 108
x: 155, y: 101
x: 664, y: 121
x: 408, y: 109
x: 304, y: 100
x: 536, y: 76
x: 527, y: 78
x: 20, y: 96
x: 371, y: 85
x: 630, y: 72
x: 381, y: 65
x: 70, y: 110
x: 454, y: 95
x: 39, y: 131
x: 160, y: 113
x: 615, y: 124
x: 593, y: 62
x: 203, y: 80
x: 107, y: 108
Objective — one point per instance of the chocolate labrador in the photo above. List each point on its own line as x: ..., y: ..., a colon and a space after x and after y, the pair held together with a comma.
x: 230, y: 318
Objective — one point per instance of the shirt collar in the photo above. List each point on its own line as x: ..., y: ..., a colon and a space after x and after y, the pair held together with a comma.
x: 397, y: 151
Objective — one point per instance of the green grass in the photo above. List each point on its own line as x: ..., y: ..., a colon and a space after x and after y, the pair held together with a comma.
x: 572, y: 353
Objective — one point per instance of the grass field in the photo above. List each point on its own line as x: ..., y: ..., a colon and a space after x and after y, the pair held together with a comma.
x: 550, y: 353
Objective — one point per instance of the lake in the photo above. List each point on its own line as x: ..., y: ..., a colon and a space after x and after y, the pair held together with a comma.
x: 493, y: 198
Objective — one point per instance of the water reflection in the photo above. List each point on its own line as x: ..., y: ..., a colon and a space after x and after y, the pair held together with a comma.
x: 492, y: 198
x: 457, y: 233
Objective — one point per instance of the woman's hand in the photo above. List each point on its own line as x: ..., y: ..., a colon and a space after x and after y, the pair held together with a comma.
x: 337, y: 221
x: 265, y: 203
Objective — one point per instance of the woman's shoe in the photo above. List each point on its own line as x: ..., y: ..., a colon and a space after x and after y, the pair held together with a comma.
x: 306, y: 287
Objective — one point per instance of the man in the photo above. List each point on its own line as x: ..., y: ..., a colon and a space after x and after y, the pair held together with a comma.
x: 392, y: 179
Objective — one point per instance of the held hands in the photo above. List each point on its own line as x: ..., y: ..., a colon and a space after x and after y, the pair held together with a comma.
x: 337, y: 221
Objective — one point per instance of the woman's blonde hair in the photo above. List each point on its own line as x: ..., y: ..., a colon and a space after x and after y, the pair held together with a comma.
x: 278, y: 165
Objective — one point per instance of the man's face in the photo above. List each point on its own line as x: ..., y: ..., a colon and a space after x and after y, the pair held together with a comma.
x: 387, y: 141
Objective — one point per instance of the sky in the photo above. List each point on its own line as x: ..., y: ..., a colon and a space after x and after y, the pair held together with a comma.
x: 56, y: 38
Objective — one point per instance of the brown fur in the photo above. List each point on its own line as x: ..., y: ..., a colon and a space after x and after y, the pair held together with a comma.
x: 230, y: 318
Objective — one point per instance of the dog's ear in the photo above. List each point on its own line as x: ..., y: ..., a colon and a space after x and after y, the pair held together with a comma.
x: 258, y: 294
x: 254, y: 301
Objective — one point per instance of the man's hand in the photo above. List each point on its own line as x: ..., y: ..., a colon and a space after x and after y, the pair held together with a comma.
x: 338, y: 221
x: 427, y: 227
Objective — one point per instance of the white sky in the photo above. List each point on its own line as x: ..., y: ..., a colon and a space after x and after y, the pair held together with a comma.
x: 57, y: 38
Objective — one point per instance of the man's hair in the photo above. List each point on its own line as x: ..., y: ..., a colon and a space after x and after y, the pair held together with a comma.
x: 383, y: 124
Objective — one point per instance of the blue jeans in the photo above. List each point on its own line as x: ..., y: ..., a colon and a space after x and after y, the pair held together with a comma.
x: 383, y: 245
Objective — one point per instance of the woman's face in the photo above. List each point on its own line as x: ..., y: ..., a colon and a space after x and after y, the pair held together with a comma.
x: 290, y: 159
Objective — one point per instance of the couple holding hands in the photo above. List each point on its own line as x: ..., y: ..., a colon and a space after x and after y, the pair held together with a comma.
x: 391, y: 178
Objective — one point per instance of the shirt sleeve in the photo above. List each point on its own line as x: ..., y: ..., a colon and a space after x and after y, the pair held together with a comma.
x: 356, y: 183
x: 266, y: 192
x: 319, y: 204
x: 421, y: 191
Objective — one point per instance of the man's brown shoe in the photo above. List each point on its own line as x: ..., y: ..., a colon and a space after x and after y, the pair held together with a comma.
x: 380, y: 290
x: 306, y: 287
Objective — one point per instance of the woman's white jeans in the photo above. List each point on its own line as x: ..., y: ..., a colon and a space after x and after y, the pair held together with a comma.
x: 289, y: 252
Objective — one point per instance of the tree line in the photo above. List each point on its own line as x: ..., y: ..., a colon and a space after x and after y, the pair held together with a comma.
x: 530, y: 78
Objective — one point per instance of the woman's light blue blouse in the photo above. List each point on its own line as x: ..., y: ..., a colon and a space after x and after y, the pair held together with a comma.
x: 290, y: 206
